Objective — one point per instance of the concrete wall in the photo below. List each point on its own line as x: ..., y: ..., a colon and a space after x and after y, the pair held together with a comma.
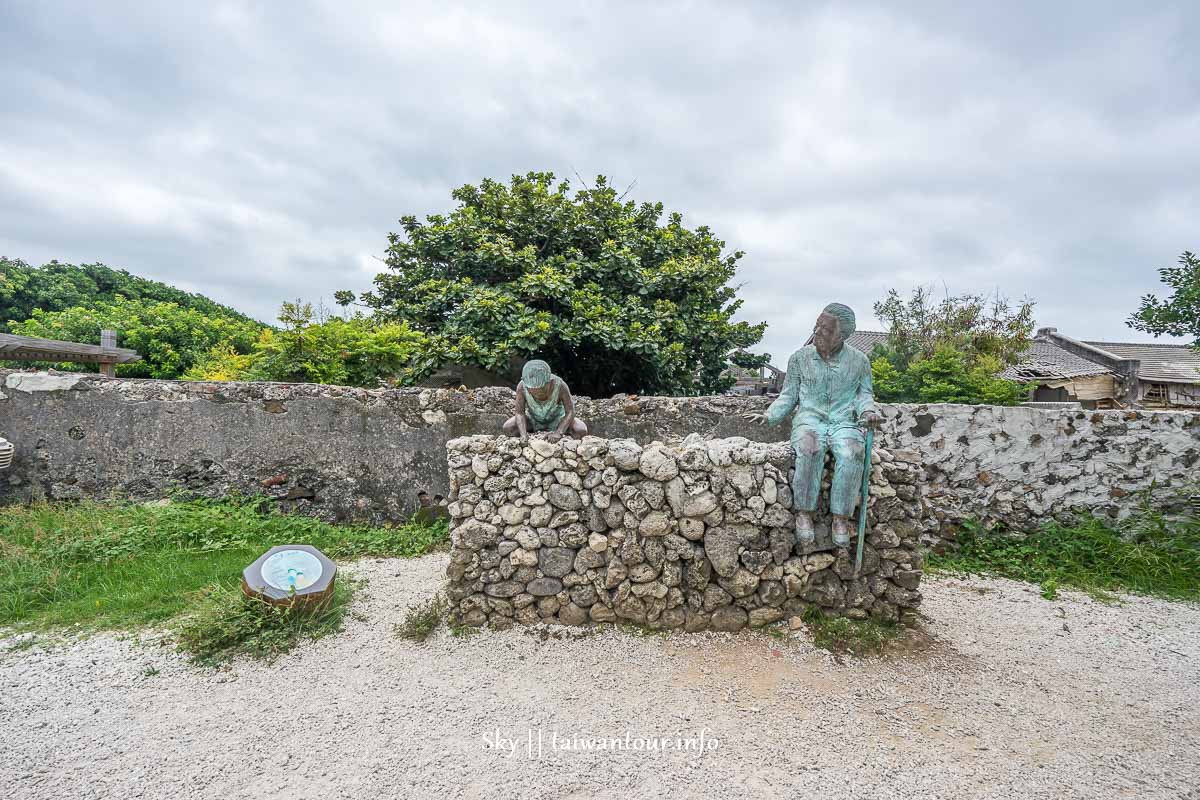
x: 356, y: 454
x: 695, y: 536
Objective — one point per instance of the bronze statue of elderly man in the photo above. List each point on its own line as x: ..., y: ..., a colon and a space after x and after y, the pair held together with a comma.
x: 829, y: 396
x: 544, y: 403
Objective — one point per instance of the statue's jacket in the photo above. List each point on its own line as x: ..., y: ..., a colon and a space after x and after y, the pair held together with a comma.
x: 826, y: 397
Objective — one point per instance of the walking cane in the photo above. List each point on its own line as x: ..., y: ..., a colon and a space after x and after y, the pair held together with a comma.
x: 862, y: 511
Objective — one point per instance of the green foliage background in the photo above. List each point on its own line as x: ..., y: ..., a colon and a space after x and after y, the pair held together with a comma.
x: 349, y: 352
x: 1178, y: 315
x: 950, y: 351
x: 171, y: 339
x: 615, y: 299
x: 57, y: 287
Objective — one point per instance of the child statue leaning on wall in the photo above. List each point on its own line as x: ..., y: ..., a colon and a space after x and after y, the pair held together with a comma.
x: 544, y: 403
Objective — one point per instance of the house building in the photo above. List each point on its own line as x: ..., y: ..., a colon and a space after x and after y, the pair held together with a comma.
x: 1096, y: 374
x: 762, y: 381
x: 1166, y: 375
x: 1110, y: 374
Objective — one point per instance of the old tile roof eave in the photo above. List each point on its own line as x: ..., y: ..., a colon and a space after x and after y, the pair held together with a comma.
x: 1159, y: 363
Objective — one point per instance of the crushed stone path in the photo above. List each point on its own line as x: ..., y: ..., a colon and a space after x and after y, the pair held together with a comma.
x: 1007, y: 695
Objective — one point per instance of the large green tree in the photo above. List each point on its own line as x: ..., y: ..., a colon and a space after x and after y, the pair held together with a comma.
x: 614, y: 298
x: 1178, y: 315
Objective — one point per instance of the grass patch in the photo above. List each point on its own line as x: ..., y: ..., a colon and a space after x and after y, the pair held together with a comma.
x: 422, y: 619
x: 1146, y: 554
x: 225, y: 624
x: 641, y: 629
x: 124, y: 565
x: 463, y: 631
x: 839, y: 635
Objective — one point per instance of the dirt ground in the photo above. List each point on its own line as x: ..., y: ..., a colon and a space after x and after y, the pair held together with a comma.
x: 1001, y: 695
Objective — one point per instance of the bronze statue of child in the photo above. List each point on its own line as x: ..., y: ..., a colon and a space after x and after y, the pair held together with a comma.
x: 544, y: 403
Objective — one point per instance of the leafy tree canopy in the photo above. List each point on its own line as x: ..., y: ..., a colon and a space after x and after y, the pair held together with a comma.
x: 312, y: 348
x: 974, y: 324
x: 57, y: 287
x: 947, y: 376
x: 613, y: 298
x: 1178, y: 315
x: 952, y: 350
x: 170, y: 338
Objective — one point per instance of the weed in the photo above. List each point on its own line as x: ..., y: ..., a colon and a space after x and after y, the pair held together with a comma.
x: 841, y: 635
x: 777, y: 632
x: 634, y: 629
x: 422, y: 619
x: 1145, y: 554
x: 463, y: 631
x: 226, y: 623
x: 149, y: 672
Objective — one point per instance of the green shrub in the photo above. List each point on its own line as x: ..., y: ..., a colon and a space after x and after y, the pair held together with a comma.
x: 170, y: 338
x: 1146, y: 554
x: 947, y: 376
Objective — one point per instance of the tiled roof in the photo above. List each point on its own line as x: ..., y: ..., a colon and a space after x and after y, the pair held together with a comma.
x: 866, y: 341
x: 862, y: 341
x: 1047, y: 360
x: 1164, y: 363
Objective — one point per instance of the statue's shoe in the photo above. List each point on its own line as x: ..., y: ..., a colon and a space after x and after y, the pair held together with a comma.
x: 841, y: 535
x: 805, y: 533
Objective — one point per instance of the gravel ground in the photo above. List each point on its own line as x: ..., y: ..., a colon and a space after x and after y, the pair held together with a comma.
x: 1009, y: 695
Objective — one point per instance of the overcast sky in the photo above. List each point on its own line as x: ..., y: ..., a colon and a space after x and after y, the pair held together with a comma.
x: 257, y: 152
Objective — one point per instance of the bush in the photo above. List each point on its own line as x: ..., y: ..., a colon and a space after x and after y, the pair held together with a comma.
x: 950, y: 351
x: 171, y: 339
x: 348, y: 352
x: 946, y: 377
x: 1148, y: 554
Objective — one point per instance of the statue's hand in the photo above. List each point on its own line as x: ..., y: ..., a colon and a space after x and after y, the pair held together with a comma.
x: 755, y: 417
x: 870, y: 419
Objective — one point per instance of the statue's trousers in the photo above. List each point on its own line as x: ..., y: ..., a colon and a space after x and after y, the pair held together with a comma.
x: 810, y: 442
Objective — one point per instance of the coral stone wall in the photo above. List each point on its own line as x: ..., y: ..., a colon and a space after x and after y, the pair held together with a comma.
x: 695, y: 536
x: 377, y: 455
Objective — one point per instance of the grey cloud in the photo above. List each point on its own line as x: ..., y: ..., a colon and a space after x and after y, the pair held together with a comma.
x: 262, y: 152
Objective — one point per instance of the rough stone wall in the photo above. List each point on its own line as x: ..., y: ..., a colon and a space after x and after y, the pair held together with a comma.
x: 355, y: 454
x: 695, y: 536
x: 1019, y: 467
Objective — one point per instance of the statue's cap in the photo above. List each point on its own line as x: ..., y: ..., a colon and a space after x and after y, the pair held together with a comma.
x: 845, y: 318
x: 535, y: 374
